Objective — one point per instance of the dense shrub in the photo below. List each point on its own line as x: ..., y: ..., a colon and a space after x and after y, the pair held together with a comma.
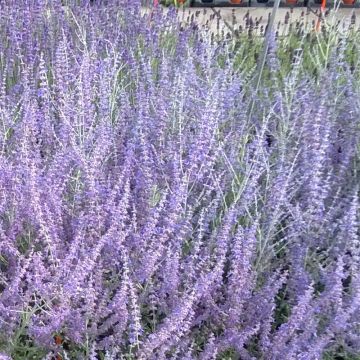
x: 154, y: 206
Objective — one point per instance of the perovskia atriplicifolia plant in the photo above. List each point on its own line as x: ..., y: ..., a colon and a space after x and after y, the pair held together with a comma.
x: 146, y: 213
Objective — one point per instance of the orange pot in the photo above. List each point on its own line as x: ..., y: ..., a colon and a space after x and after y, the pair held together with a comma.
x: 291, y: 2
x: 235, y: 1
x: 348, y: 2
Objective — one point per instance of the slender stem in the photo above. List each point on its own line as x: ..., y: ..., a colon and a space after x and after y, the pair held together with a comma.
x: 262, y: 58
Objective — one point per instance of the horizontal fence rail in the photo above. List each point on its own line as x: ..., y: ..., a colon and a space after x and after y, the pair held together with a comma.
x: 351, y: 4
x: 286, y: 3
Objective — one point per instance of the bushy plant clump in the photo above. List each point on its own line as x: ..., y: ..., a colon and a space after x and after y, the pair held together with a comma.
x: 155, y: 206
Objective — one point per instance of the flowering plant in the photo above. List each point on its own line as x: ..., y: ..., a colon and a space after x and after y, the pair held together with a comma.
x: 154, y: 206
